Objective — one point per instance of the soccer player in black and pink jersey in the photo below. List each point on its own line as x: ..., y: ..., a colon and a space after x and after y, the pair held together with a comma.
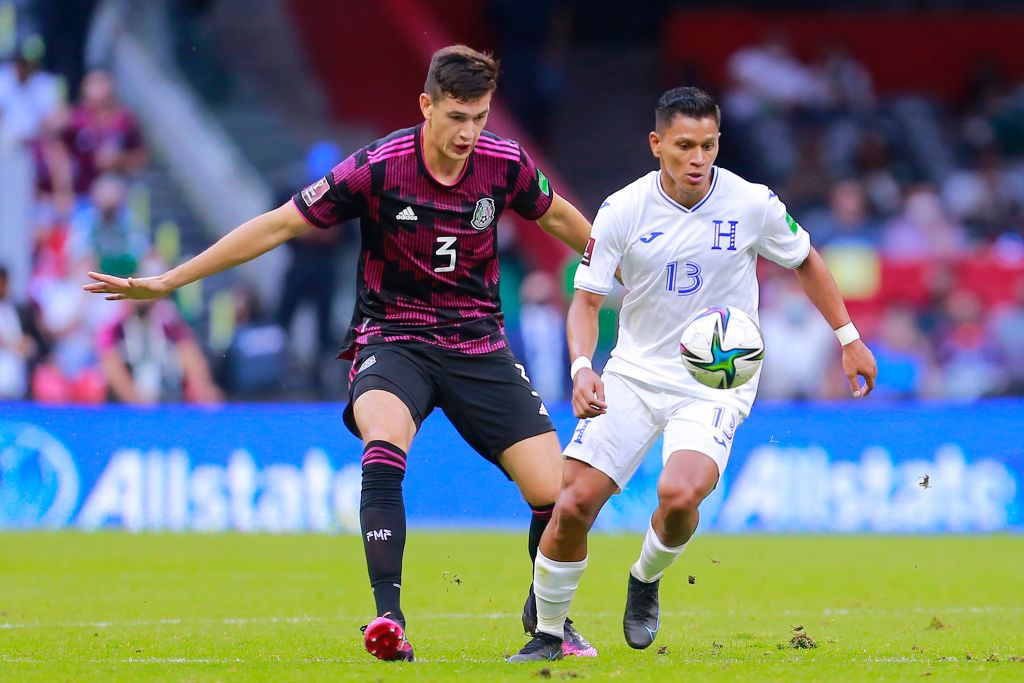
x: 428, y: 328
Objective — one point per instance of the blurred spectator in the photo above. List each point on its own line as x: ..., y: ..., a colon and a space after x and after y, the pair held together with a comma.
x: 874, y: 166
x: 847, y: 82
x: 769, y: 89
x: 966, y: 352
x: 16, y: 347
x: 102, y: 135
x: 28, y: 94
x: 992, y: 109
x: 31, y: 112
x: 806, y: 188
x: 924, y: 230
x: 849, y: 109
x: 767, y: 76
x: 906, y: 365
x: 311, y: 273
x: 255, y: 360
x: 542, y: 327
x: 1006, y: 327
x: 988, y: 196
x: 68, y: 319
x: 846, y: 221
x: 800, y: 347
x: 148, y: 355
x: 940, y: 282
x: 107, y: 232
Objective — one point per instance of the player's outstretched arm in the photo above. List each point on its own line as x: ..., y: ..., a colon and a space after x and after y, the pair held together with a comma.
x: 564, y: 221
x: 821, y: 289
x: 250, y: 239
x: 582, y: 330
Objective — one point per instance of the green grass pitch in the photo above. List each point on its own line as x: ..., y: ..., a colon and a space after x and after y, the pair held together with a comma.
x: 113, y: 607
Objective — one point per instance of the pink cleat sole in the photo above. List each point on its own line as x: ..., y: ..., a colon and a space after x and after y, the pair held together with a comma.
x: 571, y: 650
x: 384, y: 638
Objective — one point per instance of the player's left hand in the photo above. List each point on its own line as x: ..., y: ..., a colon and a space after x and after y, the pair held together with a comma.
x: 588, y: 394
x: 858, y: 361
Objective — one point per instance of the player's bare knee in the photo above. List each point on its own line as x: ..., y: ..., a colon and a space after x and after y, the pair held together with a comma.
x: 681, y: 496
x: 576, y: 509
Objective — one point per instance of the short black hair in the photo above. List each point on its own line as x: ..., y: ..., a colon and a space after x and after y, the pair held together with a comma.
x: 462, y: 73
x: 685, y: 101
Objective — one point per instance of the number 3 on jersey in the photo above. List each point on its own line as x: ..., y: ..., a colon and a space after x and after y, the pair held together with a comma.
x: 445, y: 250
x: 690, y: 276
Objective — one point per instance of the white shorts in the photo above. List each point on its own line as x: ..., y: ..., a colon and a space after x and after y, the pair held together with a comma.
x: 638, y: 414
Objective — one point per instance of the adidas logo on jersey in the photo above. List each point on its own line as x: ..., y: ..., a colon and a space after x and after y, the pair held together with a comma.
x: 407, y: 214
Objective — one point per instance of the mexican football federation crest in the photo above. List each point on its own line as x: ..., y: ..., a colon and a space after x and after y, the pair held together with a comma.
x: 483, y: 214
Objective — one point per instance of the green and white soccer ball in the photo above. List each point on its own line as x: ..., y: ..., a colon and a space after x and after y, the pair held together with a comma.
x: 722, y: 347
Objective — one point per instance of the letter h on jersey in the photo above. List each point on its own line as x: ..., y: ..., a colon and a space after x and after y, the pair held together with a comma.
x: 730, y: 233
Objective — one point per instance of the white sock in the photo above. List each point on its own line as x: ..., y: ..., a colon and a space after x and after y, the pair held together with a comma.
x: 655, y: 557
x: 554, y: 584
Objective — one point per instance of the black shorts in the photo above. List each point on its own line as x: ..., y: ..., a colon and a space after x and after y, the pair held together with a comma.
x: 487, y: 397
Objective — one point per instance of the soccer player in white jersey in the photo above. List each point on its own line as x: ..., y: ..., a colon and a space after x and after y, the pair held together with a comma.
x: 684, y: 237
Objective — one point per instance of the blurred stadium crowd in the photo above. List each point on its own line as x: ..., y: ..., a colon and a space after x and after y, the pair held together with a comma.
x: 918, y: 207
x: 926, y: 243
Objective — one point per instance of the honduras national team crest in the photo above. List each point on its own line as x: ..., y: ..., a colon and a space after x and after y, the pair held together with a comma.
x: 483, y: 214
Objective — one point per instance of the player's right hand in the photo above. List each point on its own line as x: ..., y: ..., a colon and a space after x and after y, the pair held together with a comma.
x: 588, y: 394
x: 117, y: 288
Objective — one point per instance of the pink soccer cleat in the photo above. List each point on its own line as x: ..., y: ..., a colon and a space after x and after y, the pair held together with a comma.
x: 574, y: 644
x: 384, y: 638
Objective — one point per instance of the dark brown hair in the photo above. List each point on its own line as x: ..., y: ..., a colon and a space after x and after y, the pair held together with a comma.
x: 462, y: 73
x: 685, y: 101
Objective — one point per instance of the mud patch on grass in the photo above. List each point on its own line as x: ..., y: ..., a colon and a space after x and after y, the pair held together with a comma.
x: 799, y: 641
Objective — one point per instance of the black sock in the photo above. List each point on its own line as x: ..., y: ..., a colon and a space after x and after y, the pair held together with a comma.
x: 382, y: 519
x: 541, y: 517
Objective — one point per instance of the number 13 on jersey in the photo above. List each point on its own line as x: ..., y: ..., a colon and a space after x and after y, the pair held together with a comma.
x: 689, y: 279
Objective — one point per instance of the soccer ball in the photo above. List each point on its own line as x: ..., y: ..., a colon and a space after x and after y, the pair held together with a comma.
x: 722, y: 347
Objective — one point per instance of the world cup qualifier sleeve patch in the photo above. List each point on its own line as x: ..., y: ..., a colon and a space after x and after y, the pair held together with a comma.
x: 315, y: 192
x: 588, y: 252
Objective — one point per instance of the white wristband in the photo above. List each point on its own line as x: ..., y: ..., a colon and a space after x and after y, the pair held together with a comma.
x: 847, y: 333
x: 578, y: 364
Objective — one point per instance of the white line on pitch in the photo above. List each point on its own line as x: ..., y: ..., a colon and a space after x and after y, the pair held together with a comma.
x: 6, y: 659
x: 242, y: 621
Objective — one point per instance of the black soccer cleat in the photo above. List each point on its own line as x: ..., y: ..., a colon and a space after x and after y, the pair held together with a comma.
x: 574, y: 645
x: 642, y: 618
x: 530, y: 612
x: 543, y: 647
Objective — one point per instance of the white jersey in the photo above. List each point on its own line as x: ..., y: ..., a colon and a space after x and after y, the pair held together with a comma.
x: 676, y: 261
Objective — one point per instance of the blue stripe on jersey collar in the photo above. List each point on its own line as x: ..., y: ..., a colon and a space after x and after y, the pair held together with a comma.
x: 661, y: 191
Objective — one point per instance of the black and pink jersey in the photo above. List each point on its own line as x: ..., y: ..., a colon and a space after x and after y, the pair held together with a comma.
x: 428, y: 270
